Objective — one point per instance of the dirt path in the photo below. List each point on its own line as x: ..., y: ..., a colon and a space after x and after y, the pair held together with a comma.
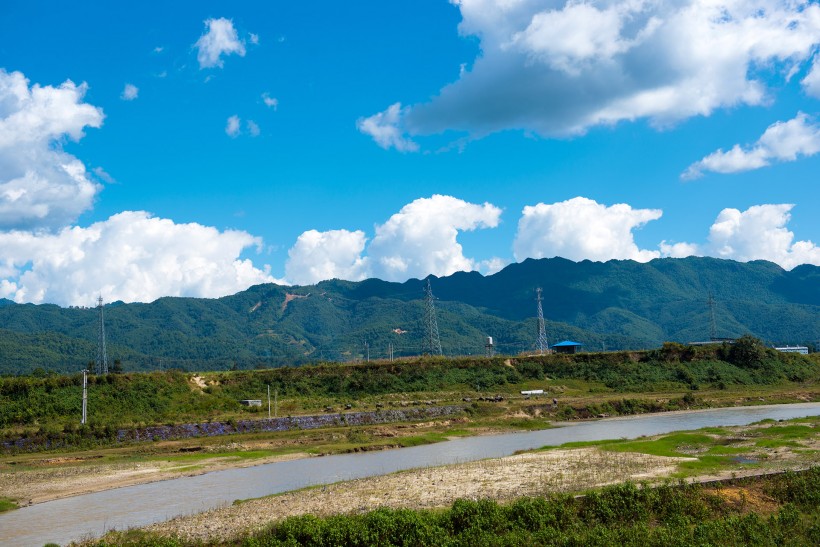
x: 501, y: 479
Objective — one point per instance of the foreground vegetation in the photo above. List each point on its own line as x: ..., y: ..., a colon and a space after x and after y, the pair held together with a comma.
x: 588, y: 384
x: 779, y: 509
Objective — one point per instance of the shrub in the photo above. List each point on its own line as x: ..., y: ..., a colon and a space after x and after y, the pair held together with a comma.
x: 747, y: 352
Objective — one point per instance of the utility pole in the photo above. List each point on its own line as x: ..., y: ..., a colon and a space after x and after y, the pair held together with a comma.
x: 102, y: 355
x: 432, y: 343
x: 390, y: 351
x: 85, y: 397
x: 276, y: 403
x: 268, y: 401
x: 541, y: 344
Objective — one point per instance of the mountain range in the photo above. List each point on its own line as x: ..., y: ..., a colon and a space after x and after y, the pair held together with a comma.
x: 620, y: 304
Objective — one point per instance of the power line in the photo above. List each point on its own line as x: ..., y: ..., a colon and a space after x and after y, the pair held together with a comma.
x: 432, y: 343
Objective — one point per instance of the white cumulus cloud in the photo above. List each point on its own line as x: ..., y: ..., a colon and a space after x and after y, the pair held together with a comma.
x: 679, y: 250
x: 383, y: 127
x: 421, y: 239
x: 492, y: 265
x: 758, y: 233
x: 130, y: 92
x: 270, y: 102
x: 558, y: 68
x: 132, y: 256
x: 581, y: 228
x: 232, y: 126
x: 334, y: 254
x: 811, y: 82
x: 220, y: 38
x: 41, y: 186
x: 781, y: 142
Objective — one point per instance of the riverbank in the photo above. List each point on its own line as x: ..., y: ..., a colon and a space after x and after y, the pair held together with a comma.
x: 706, y: 455
x: 30, y: 478
x: 500, y: 479
x: 766, y: 510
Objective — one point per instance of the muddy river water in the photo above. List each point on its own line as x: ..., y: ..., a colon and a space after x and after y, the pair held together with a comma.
x: 89, y: 515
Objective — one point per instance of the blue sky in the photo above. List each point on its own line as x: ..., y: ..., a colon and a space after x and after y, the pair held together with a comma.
x: 197, y: 148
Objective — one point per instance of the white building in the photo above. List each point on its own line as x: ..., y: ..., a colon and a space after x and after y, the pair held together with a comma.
x: 794, y: 349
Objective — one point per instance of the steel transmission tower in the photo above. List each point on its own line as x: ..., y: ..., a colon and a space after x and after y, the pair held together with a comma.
x: 541, y: 345
x: 712, y: 322
x: 102, y: 355
x: 432, y: 343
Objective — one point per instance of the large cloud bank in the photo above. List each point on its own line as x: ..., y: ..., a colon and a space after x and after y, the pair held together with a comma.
x: 419, y: 240
x: 558, y: 68
x: 581, y: 228
x: 131, y: 256
x: 41, y: 186
x: 758, y: 233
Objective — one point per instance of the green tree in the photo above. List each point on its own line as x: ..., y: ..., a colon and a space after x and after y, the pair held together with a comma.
x: 747, y: 352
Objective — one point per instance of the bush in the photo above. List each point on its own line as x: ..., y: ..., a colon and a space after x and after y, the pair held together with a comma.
x: 747, y: 352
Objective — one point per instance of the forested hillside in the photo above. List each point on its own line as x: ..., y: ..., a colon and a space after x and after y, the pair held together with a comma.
x: 611, y: 305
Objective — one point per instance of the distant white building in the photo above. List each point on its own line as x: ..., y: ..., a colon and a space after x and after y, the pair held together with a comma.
x: 794, y: 349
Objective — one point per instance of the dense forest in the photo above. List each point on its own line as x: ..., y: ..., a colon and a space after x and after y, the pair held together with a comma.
x: 606, y: 306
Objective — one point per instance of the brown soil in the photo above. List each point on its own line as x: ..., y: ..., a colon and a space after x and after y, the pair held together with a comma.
x: 747, y: 499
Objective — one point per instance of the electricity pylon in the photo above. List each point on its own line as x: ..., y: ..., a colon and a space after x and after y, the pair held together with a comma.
x: 541, y: 344
x: 432, y: 343
x: 102, y: 355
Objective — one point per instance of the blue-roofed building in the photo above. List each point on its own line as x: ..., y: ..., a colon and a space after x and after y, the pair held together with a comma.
x: 567, y: 346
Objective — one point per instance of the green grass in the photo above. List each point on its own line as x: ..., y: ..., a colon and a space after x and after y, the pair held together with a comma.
x: 7, y: 505
x: 791, y: 431
x: 188, y: 468
x: 705, y: 464
x: 418, y: 440
x: 674, y: 445
x: 584, y: 444
x: 776, y: 443
x: 715, y: 448
x: 198, y: 456
x: 458, y: 433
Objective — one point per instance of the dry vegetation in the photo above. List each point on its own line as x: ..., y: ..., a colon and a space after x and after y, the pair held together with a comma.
x: 507, y: 478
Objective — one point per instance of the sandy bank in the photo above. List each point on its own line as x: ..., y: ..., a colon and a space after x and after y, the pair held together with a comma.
x: 505, y: 478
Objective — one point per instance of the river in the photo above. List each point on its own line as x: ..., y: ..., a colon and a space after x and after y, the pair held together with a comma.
x: 91, y: 515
